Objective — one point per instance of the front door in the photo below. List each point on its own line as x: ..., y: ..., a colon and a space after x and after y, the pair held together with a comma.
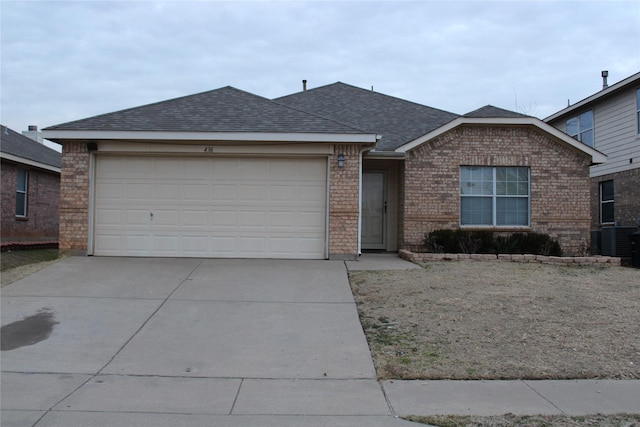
x: 374, y: 209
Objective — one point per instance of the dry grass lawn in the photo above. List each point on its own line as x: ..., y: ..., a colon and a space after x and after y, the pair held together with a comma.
x: 493, y: 320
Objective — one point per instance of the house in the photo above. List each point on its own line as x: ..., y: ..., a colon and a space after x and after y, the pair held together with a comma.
x: 30, y: 187
x: 609, y: 121
x: 323, y: 173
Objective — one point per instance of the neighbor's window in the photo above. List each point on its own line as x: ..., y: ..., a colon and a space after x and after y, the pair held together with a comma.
x: 606, y: 202
x: 494, y: 196
x: 638, y: 107
x: 581, y: 127
x: 21, y: 192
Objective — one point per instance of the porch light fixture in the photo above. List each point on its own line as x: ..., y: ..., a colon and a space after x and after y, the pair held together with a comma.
x: 340, y: 160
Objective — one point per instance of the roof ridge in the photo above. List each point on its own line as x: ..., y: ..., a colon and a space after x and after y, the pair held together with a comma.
x: 339, y: 83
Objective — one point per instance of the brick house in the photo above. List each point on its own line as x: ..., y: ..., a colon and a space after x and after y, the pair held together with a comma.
x: 30, y: 188
x: 323, y: 173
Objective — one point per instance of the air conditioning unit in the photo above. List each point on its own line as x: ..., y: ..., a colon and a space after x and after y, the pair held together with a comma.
x: 596, y: 242
x: 614, y: 241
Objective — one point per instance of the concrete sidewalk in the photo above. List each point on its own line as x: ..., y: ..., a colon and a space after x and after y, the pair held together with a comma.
x: 172, y: 342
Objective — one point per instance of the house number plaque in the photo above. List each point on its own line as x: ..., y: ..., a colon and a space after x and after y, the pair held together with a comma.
x: 208, y: 149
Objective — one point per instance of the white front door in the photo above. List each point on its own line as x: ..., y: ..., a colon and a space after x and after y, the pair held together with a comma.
x: 374, y: 207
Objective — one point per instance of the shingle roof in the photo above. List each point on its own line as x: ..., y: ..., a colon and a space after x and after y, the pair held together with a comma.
x: 18, y: 145
x: 398, y: 121
x: 222, y: 110
x: 491, y: 112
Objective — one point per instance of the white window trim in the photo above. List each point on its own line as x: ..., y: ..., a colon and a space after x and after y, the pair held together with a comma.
x: 25, y: 192
x: 494, y: 201
x: 638, y: 111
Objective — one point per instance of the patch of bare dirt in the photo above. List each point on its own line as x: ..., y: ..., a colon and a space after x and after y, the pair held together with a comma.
x: 492, y: 320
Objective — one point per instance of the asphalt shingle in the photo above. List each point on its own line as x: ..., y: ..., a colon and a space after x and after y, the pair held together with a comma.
x: 491, y: 112
x: 18, y: 145
x: 398, y: 121
x: 222, y: 110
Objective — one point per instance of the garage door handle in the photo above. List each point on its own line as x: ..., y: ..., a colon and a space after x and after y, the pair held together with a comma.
x: 151, y: 215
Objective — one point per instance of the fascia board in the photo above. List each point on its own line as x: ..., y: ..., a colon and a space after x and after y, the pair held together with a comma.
x: 596, y: 156
x: 29, y: 162
x: 208, y: 136
x: 621, y: 85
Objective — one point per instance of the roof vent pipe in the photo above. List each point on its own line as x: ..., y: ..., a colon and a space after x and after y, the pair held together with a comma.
x: 304, y: 85
x: 605, y: 74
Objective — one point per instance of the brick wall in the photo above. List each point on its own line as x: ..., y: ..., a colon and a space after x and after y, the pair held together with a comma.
x: 343, y: 203
x: 43, y: 195
x: 74, y: 197
x: 559, y: 182
x: 626, y: 197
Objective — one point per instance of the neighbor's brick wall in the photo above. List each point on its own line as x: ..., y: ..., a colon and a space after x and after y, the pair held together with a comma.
x: 343, y: 203
x: 43, y: 195
x: 626, y: 198
x: 559, y: 182
x: 74, y: 197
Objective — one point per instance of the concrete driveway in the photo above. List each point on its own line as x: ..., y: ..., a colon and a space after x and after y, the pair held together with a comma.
x: 96, y: 341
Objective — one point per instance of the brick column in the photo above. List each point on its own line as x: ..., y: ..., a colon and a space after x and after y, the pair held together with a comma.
x: 343, y: 203
x: 74, y: 198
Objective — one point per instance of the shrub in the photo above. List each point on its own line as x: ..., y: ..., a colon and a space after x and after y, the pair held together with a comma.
x: 484, y: 242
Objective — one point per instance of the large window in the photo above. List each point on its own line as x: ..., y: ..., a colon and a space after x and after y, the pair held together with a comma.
x: 581, y: 127
x: 21, y: 192
x: 494, y: 196
x: 606, y: 202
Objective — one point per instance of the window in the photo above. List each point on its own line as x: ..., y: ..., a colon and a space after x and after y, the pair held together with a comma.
x: 606, y: 202
x: 21, y: 192
x: 581, y: 127
x: 494, y: 196
x: 638, y: 108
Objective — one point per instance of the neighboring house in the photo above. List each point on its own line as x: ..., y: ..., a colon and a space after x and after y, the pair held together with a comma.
x: 323, y: 173
x: 30, y: 188
x: 609, y: 121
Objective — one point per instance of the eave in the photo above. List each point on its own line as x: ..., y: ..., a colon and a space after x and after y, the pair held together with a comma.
x: 29, y: 162
x: 89, y: 135
x: 596, y: 156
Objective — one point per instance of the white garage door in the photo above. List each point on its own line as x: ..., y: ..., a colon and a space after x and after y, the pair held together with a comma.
x: 211, y: 207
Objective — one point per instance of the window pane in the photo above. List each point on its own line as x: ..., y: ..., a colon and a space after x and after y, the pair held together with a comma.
x: 476, y: 211
x: 21, y: 207
x: 606, y: 190
x: 512, y: 211
x: 476, y: 180
x: 572, y: 126
x: 607, y: 212
x: 587, y: 138
x: 586, y: 120
x: 21, y: 180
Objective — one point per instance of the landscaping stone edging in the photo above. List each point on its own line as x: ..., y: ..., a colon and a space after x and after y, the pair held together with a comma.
x: 596, y: 261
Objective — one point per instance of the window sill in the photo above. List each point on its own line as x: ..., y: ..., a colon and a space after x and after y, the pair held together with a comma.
x: 22, y: 218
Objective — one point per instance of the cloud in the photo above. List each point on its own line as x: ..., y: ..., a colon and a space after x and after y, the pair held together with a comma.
x: 63, y: 61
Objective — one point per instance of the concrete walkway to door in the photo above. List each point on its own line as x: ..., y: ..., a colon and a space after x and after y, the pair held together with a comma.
x: 166, y: 342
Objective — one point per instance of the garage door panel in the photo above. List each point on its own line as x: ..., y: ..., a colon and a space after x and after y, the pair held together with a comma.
x: 213, y: 207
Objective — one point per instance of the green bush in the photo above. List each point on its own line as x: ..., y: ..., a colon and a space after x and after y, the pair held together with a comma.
x: 485, y: 242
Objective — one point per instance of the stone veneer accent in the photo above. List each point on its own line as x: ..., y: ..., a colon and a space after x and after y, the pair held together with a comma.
x: 559, y: 187
x: 74, y: 198
x: 626, y: 198
x: 594, y: 261
x: 343, y: 203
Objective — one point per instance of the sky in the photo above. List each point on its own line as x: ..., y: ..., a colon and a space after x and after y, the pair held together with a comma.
x: 68, y: 60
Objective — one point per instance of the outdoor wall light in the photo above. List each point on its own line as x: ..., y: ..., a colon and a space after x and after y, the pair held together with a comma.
x: 340, y: 160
